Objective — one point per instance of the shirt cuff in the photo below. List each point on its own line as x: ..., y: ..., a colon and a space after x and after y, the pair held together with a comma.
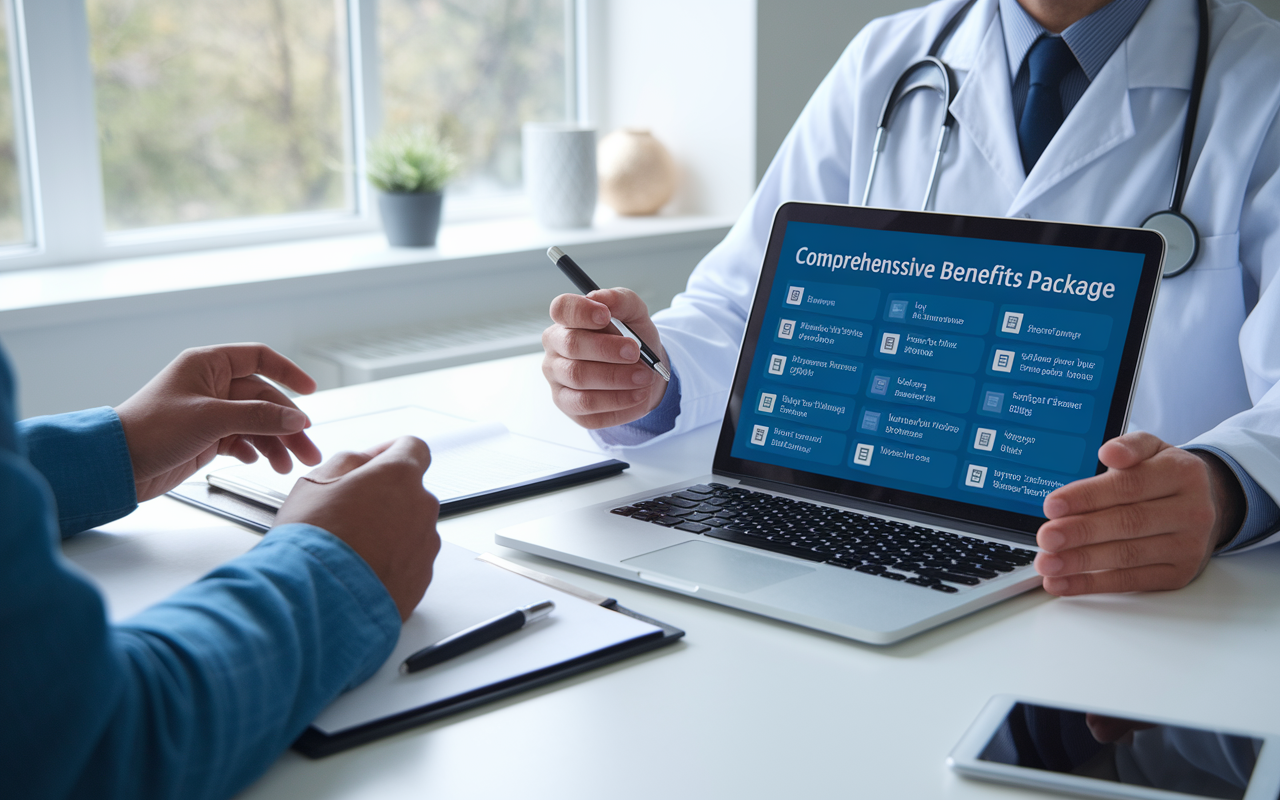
x: 1261, y: 515
x: 650, y: 426
x: 85, y: 458
x: 373, y: 605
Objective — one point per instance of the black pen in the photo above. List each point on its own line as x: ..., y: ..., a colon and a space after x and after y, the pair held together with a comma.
x: 467, y: 640
x: 587, y: 286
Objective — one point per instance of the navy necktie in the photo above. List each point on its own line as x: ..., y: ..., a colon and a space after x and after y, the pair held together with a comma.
x: 1048, y: 63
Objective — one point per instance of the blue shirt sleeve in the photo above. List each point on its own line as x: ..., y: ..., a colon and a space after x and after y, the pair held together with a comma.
x: 1262, y: 516
x: 655, y: 423
x: 85, y: 459
x: 194, y: 697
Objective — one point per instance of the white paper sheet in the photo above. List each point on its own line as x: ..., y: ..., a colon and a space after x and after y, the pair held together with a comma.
x: 135, y: 571
x: 467, y: 457
x: 464, y: 592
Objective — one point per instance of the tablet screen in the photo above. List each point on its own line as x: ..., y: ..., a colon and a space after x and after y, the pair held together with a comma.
x: 937, y: 370
x: 1193, y: 761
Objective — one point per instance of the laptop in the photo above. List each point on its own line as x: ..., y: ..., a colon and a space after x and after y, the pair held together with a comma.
x: 910, y: 386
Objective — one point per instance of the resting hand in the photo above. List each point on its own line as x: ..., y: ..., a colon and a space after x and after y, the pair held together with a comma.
x: 596, y: 374
x: 375, y: 502
x: 209, y: 401
x: 1150, y: 522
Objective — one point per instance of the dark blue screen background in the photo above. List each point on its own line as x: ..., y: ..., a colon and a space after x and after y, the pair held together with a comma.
x: 981, y: 393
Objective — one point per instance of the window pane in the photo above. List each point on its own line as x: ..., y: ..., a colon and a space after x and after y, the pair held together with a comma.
x: 217, y: 110
x: 12, y: 230
x: 475, y: 70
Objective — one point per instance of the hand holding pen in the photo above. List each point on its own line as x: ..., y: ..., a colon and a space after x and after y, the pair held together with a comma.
x: 598, y: 374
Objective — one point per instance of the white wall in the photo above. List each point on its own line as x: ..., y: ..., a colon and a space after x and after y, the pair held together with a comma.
x: 685, y: 69
x: 797, y: 42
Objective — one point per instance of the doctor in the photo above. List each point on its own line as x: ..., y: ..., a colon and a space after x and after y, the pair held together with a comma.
x: 1094, y: 137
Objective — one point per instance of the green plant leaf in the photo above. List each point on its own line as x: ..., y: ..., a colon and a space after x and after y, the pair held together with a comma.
x: 414, y: 160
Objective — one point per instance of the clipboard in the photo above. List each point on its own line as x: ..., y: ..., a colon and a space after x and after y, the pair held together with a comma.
x: 260, y: 516
x: 316, y: 743
x: 475, y: 464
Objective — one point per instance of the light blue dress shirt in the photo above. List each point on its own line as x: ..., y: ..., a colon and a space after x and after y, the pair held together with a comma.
x: 192, y: 698
x: 1092, y: 40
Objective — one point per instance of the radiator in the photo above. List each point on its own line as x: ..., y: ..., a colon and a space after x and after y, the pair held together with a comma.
x: 375, y: 355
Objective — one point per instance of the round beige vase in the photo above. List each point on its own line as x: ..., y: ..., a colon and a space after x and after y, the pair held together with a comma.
x: 637, y: 174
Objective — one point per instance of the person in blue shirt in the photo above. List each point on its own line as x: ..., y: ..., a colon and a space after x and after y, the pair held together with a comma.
x: 198, y: 695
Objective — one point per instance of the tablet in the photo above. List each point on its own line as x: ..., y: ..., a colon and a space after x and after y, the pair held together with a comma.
x: 1117, y: 754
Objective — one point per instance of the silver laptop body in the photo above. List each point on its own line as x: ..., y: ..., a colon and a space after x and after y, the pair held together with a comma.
x: 987, y: 497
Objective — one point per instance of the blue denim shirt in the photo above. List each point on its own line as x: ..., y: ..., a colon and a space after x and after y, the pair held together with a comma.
x: 192, y: 698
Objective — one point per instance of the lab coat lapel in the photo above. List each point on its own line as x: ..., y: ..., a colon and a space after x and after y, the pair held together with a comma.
x: 1158, y: 53
x: 1100, y: 121
x: 984, y: 108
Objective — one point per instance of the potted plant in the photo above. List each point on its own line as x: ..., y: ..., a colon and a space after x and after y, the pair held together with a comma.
x: 410, y: 169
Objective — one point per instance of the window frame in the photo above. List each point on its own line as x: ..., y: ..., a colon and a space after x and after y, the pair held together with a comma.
x: 63, y: 197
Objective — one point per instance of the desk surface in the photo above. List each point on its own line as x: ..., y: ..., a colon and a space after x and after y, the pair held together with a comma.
x: 745, y: 707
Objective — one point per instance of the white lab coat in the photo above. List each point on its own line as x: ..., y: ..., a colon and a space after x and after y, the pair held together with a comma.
x: 1213, y: 358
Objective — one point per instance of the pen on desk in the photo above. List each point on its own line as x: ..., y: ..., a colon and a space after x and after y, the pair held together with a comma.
x: 587, y: 286
x: 477, y: 635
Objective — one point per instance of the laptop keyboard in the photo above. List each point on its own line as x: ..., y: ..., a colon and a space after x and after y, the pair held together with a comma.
x: 898, y: 551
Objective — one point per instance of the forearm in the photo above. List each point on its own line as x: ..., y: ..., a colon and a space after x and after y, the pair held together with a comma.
x: 1249, y: 514
x: 1228, y: 498
x: 193, y: 698
x: 223, y: 676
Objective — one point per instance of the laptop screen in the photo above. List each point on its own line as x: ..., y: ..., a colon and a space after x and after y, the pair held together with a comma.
x: 955, y: 365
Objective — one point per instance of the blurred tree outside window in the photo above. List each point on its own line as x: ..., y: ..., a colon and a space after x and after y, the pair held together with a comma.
x: 12, y: 230
x: 220, y: 110
x: 475, y: 71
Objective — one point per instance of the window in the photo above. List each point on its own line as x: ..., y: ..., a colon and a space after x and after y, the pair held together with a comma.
x: 475, y: 70
x: 217, y: 110
x: 168, y: 125
x: 13, y: 229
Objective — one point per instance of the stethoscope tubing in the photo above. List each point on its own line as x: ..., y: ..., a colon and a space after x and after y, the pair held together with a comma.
x: 1171, y: 222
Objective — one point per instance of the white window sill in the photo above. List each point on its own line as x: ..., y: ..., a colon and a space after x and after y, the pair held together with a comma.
x: 57, y: 295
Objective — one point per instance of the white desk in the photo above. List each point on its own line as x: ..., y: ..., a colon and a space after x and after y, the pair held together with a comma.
x: 746, y: 707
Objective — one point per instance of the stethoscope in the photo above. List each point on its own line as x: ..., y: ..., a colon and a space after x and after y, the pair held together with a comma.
x: 1181, y: 237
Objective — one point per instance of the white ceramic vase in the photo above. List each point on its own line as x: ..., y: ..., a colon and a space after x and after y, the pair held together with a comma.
x: 637, y: 174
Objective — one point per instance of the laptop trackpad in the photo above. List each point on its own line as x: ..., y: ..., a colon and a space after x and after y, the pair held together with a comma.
x: 707, y: 564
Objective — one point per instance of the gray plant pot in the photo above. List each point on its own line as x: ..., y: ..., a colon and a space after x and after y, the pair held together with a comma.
x: 410, y: 219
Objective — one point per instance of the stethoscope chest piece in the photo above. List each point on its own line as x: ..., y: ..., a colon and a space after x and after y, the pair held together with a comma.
x: 1182, y: 243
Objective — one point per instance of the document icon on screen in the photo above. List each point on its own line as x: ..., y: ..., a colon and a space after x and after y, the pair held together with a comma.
x: 879, y: 385
x: 889, y: 344
x: 897, y: 309
x: 1003, y: 361
x: 760, y: 434
x: 766, y: 403
x: 786, y: 329
x: 985, y: 439
x: 777, y: 365
x: 975, y: 476
x: 1012, y: 322
x: 794, y: 295
x: 870, y: 421
x: 862, y: 454
x: 993, y: 402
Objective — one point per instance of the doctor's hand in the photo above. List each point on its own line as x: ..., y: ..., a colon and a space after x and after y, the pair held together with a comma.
x: 1150, y: 522
x: 376, y: 503
x: 210, y: 401
x: 596, y: 374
